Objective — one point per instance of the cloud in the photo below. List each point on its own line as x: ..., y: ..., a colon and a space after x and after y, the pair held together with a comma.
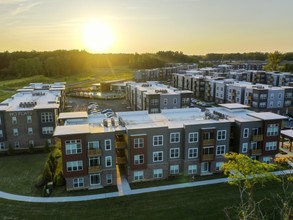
x: 9, y: 2
x: 23, y: 7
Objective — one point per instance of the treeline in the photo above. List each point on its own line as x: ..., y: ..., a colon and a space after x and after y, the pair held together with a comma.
x: 74, y: 62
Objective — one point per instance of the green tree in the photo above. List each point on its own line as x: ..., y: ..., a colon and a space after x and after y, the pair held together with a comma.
x: 274, y: 60
x: 247, y: 173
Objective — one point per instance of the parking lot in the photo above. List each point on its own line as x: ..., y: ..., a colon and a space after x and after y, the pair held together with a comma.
x: 81, y: 104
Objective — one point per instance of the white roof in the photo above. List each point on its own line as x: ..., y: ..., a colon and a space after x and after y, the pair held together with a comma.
x: 71, y: 130
x: 68, y: 115
x: 288, y: 133
x: 267, y: 115
x: 234, y: 106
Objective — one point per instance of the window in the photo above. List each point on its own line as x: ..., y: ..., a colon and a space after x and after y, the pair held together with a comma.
x: 93, y: 145
x: 29, y: 119
x: 31, y: 143
x: 108, y: 144
x: 218, y: 165
x: 94, y: 161
x: 272, y: 130
x: 14, y: 120
x: 220, y: 150
x: 1, y: 133
x: 174, y: 169
x: 174, y: 152
x: 244, y: 147
x: 174, y: 101
x: 271, y: 145
x: 165, y: 101
x: 138, y: 175
x: 73, y: 147
x: 280, y: 95
x: 174, y: 137
x: 192, y: 169
x: 2, y: 146
x: 138, y: 142
x: 192, y: 152
x: 158, y: 156
x: 47, y: 130
x: 266, y: 159
x: 154, y: 110
x: 158, y: 140
x: 154, y: 101
x: 46, y: 117
x: 15, y: 132
x: 109, y: 178
x: 272, y: 96
x: 29, y: 131
x: 185, y: 100
x: 74, y: 165
x: 193, y: 137
x: 221, y: 134
x: 108, y: 161
x: 157, y: 173
x: 16, y: 144
x: 78, y: 182
x: 95, y: 179
x: 245, y: 132
x: 138, y: 159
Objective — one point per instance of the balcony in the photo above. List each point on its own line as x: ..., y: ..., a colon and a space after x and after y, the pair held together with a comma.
x: 120, y: 145
x: 94, y: 152
x: 256, y: 152
x: 258, y: 137
x: 208, y: 142
x: 208, y: 157
x: 249, y: 97
x: 121, y: 160
x: 95, y: 169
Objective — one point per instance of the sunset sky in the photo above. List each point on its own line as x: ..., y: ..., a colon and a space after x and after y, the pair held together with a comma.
x: 129, y: 26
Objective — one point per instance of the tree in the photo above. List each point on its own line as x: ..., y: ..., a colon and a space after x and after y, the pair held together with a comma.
x: 274, y: 60
x: 247, y: 173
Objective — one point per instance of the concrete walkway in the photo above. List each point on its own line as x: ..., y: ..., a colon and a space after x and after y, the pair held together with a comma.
x: 123, y: 189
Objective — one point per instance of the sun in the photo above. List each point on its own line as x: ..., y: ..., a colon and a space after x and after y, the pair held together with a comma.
x: 97, y: 37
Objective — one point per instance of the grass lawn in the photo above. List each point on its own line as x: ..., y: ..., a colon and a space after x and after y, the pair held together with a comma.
x: 204, y: 202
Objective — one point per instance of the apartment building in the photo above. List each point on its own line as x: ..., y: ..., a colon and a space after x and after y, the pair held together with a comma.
x: 156, y: 146
x: 28, y: 118
x: 153, y: 96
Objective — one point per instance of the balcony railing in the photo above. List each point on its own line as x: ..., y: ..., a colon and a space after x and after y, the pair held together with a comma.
x: 206, y: 157
x: 256, y: 152
x: 95, y: 169
x: 258, y: 137
x: 120, y: 144
x: 208, y: 141
x: 94, y: 152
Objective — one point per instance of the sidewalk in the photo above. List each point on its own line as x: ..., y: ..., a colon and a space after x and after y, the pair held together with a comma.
x: 123, y: 189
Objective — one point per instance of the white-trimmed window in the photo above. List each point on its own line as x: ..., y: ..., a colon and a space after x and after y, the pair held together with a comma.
x: 272, y: 130
x: 266, y: 159
x: 271, y: 145
x: 47, y: 130
x: 175, y: 137
x: 29, y: 119
x: 174, y: 101
x: 15, y: 131
x: 109, y: 178
x: 158, y: 156
x: 192, y: 153
x: 244, y: 147
x: 138, y: 142
x: 30, y: 131
x: 193, y: 137
x: 192, y: 169
x: 74, y: 165
x: 16, y: 144
x: 174, y: 169
x: 2, y: 146
x: 165, y: 101
x: 31, y: 143
x: 108, y: 161
x: 93, y: 145
x: 73, y: 147
x: 95, y: 179
x: 220, y: 150
x: 245, y: 132
x: 78, y: 182
x: 157, y: 173
x: 1, y: 133
x: 154, y: 101
x: 138, y: 159
x: 94, y: 161
x: 221, y: 135
x: 138, y: 175
x: 218, y: 165
x: 185, y: 100
x: 174, y: 152
x: 108, y: 144
x: 14, y: 120
x: 158, y: 140
x: 46, y: 117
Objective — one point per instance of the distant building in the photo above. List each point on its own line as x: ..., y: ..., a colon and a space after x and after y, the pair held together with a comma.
x: 28, y: 118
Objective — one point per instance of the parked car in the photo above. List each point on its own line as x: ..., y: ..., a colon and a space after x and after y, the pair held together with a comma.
x: 110, y: 114
x: 106, y: 110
